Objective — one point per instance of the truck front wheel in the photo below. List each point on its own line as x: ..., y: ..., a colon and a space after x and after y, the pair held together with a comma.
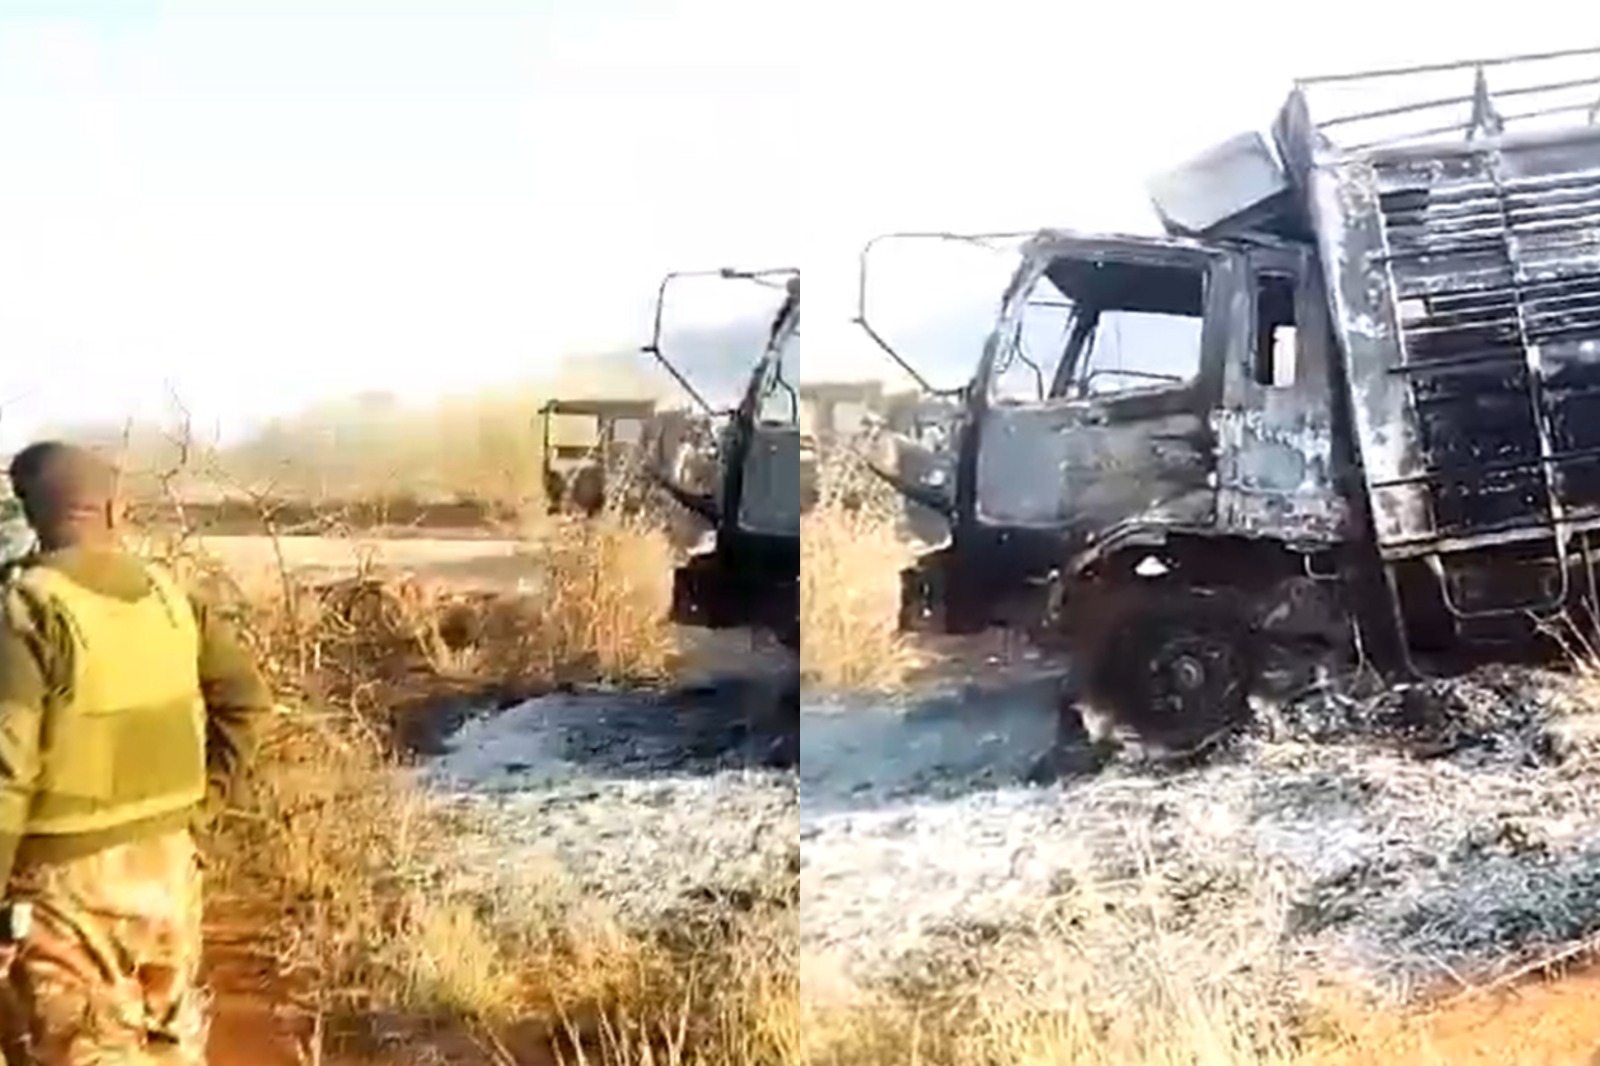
x: 1177, y: 674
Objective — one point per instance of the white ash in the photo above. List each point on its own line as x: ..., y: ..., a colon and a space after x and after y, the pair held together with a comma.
x: 1440, y: 833
x: 641, y: 805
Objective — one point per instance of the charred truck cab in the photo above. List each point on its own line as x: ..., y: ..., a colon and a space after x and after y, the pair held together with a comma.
x: 748, y: 576
x: 586, y: 449
x: 1352, y: 402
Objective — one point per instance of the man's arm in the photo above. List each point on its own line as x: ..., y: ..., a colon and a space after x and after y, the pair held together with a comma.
x: 238, y: 703
x: 24, y: 658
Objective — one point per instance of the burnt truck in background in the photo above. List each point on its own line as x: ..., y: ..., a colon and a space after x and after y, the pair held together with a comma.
x: 846, y: 420
x: 832, y: 415
x: 587, y: 448
x: 1351, y: 401
x: 747, y: 573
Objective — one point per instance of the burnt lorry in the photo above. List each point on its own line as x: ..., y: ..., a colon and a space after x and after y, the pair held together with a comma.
x: 1351, y: 402
x: 586, y: 449
x: 746, y: 575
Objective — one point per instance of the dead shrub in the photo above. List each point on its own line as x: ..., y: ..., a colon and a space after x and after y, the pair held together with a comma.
x: 851, y: 552
x: 603, y: 601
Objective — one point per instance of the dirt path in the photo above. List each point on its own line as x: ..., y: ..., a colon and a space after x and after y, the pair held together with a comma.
x: 483, y: 562
x: 249, y: 1026
x: 255, y: 1022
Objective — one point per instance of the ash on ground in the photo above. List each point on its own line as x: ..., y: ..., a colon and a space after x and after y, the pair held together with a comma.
x: 1401, y: 840
x: 645, y: 807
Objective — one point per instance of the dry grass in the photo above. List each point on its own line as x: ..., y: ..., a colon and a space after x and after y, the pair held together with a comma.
x: 345, y: 850
x: 350, y: 856
x: 1002, y: 1034
x: 484, y: 446
x: 1026, y: 998
x: 1024, y: 1001
x: 604, y: 606
x: 850, y: 557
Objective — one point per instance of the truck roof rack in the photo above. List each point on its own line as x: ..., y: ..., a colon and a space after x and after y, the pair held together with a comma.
x: 1394, y: 106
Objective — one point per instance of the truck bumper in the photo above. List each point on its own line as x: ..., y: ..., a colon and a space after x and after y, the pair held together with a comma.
x: 951, y: 593
x: 936, y: 597
x: 708, y: 593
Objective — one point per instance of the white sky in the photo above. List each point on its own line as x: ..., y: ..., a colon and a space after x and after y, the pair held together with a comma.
x: 260, y: 209
x: 1014, y: 114
x: 259, y: 204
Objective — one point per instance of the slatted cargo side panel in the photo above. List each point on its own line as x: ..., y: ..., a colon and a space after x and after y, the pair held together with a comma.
x: 1491, y: 261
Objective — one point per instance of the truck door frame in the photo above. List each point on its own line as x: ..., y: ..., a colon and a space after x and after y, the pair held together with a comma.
x: 1220, y: 271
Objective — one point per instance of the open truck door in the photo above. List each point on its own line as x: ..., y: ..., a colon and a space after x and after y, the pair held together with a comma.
x: 749, y: 576
x: 911, y: 444
x: 1087, y: 418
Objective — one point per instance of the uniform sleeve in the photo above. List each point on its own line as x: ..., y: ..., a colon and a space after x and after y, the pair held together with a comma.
x: 238, y: 704
x: 24, y: 669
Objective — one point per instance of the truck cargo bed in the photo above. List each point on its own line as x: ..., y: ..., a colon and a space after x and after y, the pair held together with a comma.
x: 1465, y: 279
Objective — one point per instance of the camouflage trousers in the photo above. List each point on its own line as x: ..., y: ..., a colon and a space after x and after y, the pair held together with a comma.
x: 108, y: 975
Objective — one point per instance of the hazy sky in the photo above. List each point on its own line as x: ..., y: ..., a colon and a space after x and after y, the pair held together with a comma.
x: 263, y: 203
x: 1013, y: 114
x: 266, y: 202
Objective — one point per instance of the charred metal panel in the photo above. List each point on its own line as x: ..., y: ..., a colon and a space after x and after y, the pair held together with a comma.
x: 1232, y: 184
x: 1275, y: 472
x: 1467, y: 293
x: 769, y: 503
x: 1276, y: 461
x: 1058, y: 467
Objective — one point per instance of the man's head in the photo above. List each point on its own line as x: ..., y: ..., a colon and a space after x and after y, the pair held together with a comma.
x: 68, y: 493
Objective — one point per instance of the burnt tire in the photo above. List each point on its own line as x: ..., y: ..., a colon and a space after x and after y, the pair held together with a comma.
x: 1177, y: 674
x: 588, y: 491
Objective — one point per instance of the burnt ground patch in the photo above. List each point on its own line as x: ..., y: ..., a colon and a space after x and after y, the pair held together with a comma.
x: 707, y: 727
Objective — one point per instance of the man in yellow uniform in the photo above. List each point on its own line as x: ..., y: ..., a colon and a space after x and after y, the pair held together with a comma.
x: 127, y: 715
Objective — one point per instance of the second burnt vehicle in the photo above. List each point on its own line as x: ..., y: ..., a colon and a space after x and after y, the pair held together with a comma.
x: 587, y: 450
x: 1350, y: 402
x: 850, y: 418
x: 747, y: 574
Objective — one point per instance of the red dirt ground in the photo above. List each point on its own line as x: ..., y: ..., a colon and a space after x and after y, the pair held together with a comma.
x: 1553, y: 1022
x: 247, y: 1028
x: 254, y: 1022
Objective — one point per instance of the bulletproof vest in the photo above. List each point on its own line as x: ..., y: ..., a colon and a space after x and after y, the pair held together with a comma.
x: 128, y: 742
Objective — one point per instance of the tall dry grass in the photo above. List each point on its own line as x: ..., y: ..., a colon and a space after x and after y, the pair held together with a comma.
x: 604, y: 607
x: 851, y: 553
x: 1003, y: 1034
x: 350, y: 860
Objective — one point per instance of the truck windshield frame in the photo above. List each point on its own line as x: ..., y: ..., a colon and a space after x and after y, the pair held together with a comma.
x: 1090, y: 281
x: 777, y: 400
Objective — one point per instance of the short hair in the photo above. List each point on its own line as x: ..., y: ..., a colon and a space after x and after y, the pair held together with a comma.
x: 56, y: 481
